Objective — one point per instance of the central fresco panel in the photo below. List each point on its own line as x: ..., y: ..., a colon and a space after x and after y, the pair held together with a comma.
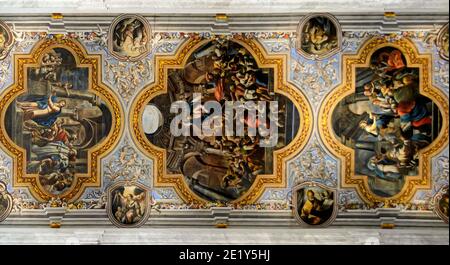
x: 221, y: 167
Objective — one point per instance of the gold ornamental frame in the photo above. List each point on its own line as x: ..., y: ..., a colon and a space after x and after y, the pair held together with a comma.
x: 110, y: 40
x: 281, y: 86
x: 347, y: 154
x: 94, y: 63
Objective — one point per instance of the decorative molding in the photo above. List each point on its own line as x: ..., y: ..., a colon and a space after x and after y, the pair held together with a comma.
x: 127, y: 164
x: 213, y: 7
x: 5, y: 168
x: 313, y: 164
x: 315, y: 77
x: 128, y: 77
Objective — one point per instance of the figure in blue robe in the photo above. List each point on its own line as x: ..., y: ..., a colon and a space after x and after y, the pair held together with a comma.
x: 44, y: 111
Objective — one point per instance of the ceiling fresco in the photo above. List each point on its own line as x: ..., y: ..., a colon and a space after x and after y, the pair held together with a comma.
x: 314, y: 117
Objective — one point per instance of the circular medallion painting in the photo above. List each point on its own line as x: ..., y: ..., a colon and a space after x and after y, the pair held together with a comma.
x: 441, y: 204
x: 6, y: 40
x: 442, y: 42
x: 314, y: 204
x: 6, y: 202
x: 128, y: 204
x: 220, y: 121
x: 129, y: 37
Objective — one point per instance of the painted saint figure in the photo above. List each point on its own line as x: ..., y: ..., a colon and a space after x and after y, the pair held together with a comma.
x: 310, y: 209
x: 130, y: 37
x: 44, y: 111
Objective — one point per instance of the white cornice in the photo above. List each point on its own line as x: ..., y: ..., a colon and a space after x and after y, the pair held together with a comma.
x: 219, y: 6
x: 286, y: 22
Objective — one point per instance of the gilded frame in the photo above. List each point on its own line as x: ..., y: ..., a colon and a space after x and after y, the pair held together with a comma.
x: 346, y: 154
x: 147, y: 203
x: 114, y: 23
x: 96, y: 86
x: 299, y: 31
x: 177, y: 181
x: 10, y: 41
x: 295, y: 206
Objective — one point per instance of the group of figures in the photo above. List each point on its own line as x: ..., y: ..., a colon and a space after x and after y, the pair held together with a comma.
x: 129, y: 204
x: 219, y: 167
x: 390, y: 121
x: 57, y: 120
x: 129, y: 37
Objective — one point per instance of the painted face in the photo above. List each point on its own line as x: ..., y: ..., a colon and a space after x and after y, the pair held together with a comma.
x: 310, y: 195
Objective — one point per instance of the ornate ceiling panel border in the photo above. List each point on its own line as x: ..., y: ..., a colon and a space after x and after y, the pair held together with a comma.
x: 93, y: 63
